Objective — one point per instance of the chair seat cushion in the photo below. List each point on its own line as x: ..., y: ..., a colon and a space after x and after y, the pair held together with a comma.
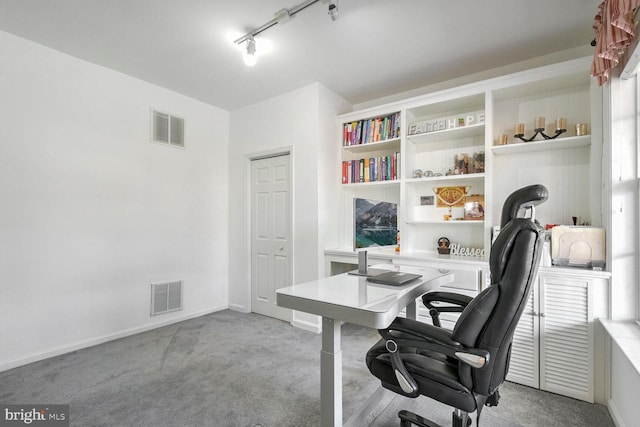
x: 436, y: 377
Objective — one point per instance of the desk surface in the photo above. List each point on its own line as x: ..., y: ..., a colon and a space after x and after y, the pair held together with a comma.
x: 355, y: 300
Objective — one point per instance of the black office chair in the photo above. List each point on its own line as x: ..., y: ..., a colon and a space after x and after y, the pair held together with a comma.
x: 465, y: 367
x: 520, y: 203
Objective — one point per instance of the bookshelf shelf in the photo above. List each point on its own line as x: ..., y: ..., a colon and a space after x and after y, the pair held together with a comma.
x: 543, y: 145
x: 447, y: 178
x: 390, y: 183
x: 447, y: 134
x: 389, y: 144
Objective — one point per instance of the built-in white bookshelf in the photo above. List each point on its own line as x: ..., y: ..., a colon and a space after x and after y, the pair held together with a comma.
x: 431, y: 130
x: 438, y: 128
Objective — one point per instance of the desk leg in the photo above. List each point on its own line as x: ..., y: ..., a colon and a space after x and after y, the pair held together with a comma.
x: 412, y: 310
x: 331, y: 374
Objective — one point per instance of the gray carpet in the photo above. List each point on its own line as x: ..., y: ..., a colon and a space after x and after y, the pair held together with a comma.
x: 244, y: 370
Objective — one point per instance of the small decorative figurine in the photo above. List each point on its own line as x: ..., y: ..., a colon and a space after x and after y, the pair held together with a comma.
x: 443, y: 246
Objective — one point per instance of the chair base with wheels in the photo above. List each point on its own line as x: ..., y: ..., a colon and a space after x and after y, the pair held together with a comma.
x: 408, y: 419
x: 458, y: 417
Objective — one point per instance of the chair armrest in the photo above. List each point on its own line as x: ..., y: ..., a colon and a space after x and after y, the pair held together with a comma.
x: 411, y: 333
x: 458, y: 303
x: 447, y: 297
x: 474, y: 357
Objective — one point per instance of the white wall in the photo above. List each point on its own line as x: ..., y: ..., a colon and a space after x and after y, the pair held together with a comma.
x: 623, y: 405
x: 302, y: 122
x: 91, y: 212
x: 330, y: 193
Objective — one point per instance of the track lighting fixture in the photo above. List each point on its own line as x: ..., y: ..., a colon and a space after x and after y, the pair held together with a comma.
x: 333, y: 9
x: 250, y: 55
x: 281, y: 17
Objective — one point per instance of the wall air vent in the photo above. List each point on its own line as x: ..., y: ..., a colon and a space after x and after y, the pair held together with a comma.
x: 166, y: 297
x: 167, y: 129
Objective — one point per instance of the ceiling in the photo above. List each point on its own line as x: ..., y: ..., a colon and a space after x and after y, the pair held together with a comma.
x: 374, y: 49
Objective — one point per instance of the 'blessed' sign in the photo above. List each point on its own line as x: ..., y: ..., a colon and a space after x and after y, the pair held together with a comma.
x: 457, y: 250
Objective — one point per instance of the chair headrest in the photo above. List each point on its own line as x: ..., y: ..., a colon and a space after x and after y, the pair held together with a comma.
x: 531, y: 195
x: 514, y: 248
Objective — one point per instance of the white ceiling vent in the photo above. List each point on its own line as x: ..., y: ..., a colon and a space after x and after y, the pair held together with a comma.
x: 167, y: 129
x: 166, y: 297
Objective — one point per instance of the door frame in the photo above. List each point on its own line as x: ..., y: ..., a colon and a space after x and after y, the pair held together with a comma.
x: 249, y: 157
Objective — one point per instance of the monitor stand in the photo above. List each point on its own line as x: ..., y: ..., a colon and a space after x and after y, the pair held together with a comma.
x: 363, y: 268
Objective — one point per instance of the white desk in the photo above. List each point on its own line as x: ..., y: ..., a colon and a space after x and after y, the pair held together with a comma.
x: 346, y: 298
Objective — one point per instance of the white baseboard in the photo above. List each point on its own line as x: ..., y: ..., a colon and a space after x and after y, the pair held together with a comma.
x: 615, y: 415
x: 238, y: 307
x: 307, y: 326
x: 102, y: 339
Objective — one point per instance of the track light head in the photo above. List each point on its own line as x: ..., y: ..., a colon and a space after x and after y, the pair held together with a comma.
x: 333, y: 9
x: 250, y: 55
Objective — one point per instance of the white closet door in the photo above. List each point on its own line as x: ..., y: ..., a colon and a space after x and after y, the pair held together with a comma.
x: 271, y: 265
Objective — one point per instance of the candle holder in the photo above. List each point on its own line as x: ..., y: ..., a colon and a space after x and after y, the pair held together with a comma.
x: 540, y: 131
x: 561, y: 127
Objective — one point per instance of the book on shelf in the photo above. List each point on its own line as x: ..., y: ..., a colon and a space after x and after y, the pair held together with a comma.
x: 367, y: 171
x: 371, y: 130
x: 372, y: 169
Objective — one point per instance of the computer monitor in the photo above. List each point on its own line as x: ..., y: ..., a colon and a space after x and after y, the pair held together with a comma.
x: 375, y: 225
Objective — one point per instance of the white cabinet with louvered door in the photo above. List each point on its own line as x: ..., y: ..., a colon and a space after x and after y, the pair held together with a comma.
x: 553, y: 344
x: 566, y: 354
